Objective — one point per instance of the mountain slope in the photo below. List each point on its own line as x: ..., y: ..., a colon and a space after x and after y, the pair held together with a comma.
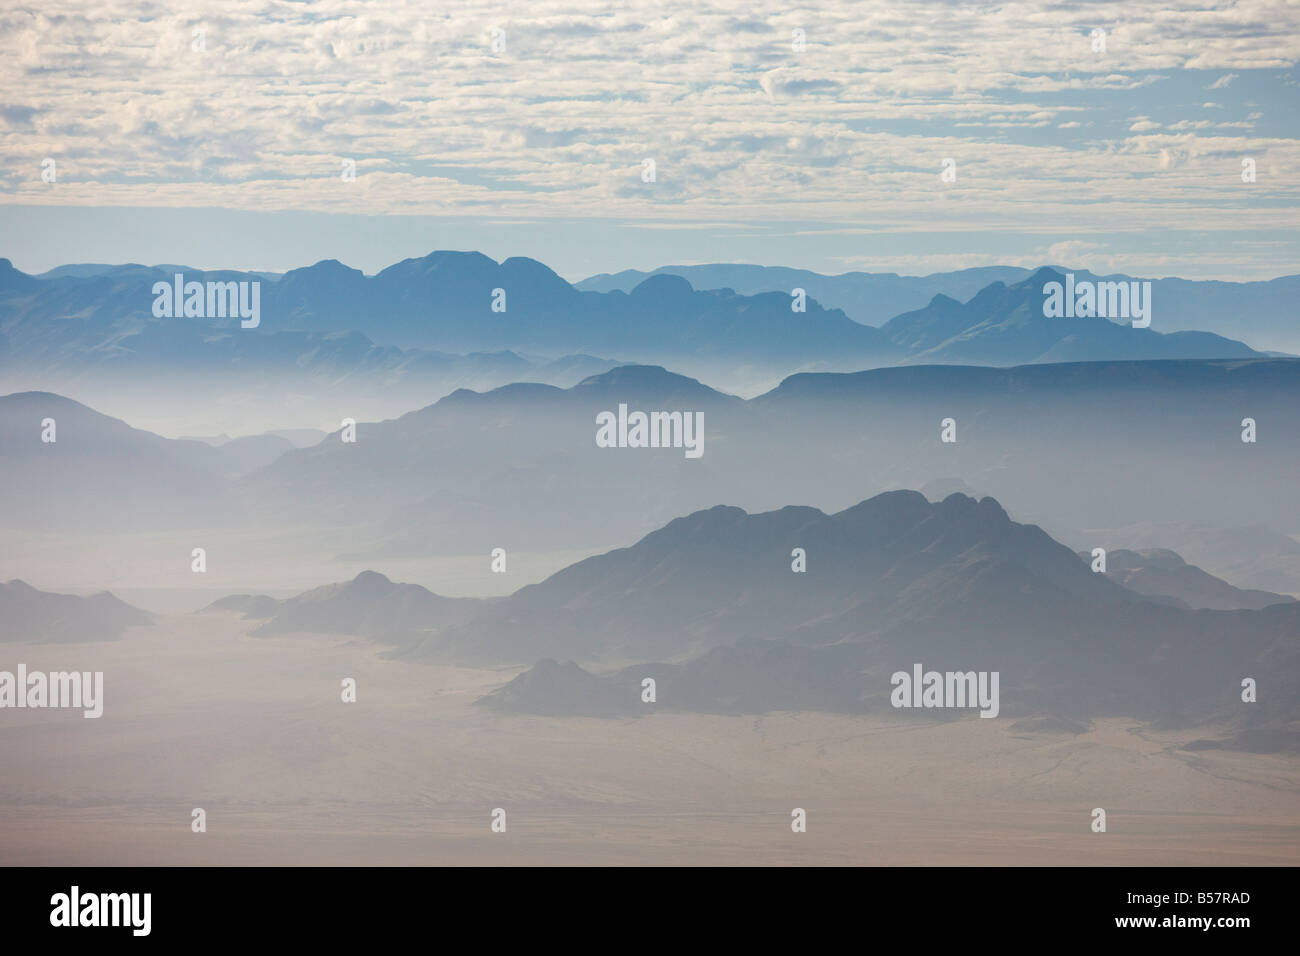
x: 1259, y: 313
x: 381, y: 344
x: 519, y: 467
x: 1158, y: 572
x: 370, y: 606
x: 721, y: 576
x: 515, y: 467
x: 711, y: 605
x: 457, y: 302
x: 27, y: 614
x: 101, y: 474
x: 1005, y: 325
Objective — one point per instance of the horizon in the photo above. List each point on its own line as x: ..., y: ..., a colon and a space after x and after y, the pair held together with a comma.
x: 1029, y: 269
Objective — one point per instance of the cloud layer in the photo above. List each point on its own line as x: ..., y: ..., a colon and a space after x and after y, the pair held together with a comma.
x: 1108, y: 117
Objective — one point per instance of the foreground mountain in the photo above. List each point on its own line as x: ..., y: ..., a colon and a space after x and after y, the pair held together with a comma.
x: 722, y: 576
x: 1159, y: 572
x: 797, y: 609
x: 27, y: 614
x: 725, y: 625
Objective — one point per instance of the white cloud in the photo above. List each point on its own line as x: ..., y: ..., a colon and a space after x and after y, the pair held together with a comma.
x: 1078, y: 254
x: 742, y: 127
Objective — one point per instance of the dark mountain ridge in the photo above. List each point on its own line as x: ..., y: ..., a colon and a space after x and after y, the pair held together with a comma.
x: 712, y: 609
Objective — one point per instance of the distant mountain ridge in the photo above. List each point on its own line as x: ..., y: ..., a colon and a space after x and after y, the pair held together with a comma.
x: 450, y: 314
x: 1260, y: 313
x: 370, y: 605
x: 1005, y: 325
x: 520, y: 464
x: 27, y: 614
x: 448, y: 301
x: 869, y: 298
x: 101, y: 473
x: 1159, y: 572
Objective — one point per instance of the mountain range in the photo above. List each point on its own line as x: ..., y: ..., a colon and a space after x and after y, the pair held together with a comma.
x: 370, y: 605
x: 1261, y: 313
x: 333, y: 337
x: 711, y: 607
x: 1005, y: 325
x: 31, y: 616
x: 1161, y: 573
x: 518, y: 467
x: 446, y: 301
x: 894, y: 581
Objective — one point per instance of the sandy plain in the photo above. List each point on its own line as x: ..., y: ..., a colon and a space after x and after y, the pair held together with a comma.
x: 253, y: 730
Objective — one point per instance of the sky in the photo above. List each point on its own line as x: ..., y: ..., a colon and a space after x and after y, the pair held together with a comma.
x: 1106, y: 136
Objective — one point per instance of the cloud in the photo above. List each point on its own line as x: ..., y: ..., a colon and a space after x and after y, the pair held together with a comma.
x: 555, y: 122
x: 1076, y: 253
x: 1223, y: 81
